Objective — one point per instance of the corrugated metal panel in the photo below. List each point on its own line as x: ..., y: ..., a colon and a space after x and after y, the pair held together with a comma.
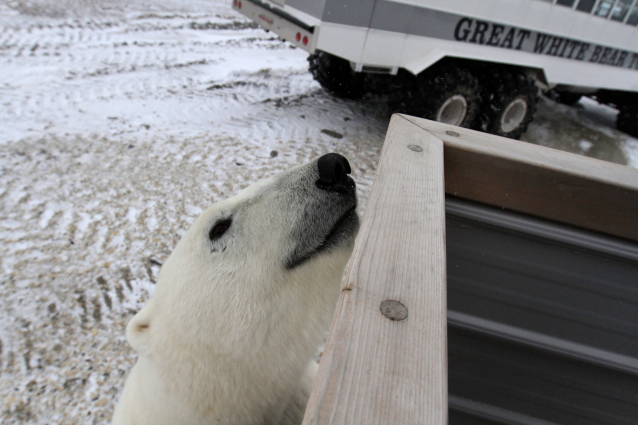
x: 514, y: 382
x: 543, y: 319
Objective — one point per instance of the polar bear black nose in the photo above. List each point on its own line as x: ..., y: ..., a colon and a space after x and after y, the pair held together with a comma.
x: 333, y: 173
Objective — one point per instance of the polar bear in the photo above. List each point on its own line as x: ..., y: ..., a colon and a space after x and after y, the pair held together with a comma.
x: 242, y: 304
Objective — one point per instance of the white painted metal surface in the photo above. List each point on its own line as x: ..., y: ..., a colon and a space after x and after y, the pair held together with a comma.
x: 570, y: 46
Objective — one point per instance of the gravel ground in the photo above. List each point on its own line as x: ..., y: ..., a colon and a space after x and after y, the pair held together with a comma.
x: 117, y: 130
x: 120, y: 122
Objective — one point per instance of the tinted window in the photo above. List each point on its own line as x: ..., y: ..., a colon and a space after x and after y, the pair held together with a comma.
x: 603, y: 8
x: 620, y: 10
x: 585, y: 5
x: 569, y: 3
x: 633, y: 18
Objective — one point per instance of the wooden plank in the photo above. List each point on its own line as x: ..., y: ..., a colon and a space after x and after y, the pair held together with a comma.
x: 375, y: 370
x: 544, y: 182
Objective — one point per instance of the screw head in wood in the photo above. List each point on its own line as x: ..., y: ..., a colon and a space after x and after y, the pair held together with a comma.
x: 393, y: 310
x: 415, y: 148
x: 452, y: 133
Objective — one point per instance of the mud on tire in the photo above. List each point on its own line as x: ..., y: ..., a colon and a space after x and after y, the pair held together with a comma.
x: 336, y: 76
x: 446, y: 92
x: 627, y: 120
x: 509, y: 102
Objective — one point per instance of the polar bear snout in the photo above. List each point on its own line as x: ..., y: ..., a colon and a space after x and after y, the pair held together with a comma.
x: 327, y: 217
x: 333, y: 174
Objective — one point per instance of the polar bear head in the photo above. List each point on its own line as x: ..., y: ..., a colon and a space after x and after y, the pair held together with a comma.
x: 256, y: 273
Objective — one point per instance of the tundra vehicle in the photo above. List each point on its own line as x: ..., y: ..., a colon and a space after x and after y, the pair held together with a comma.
x: 476, y: 64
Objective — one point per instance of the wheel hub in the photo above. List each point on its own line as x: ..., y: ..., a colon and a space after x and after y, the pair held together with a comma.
x: 453, y: 111
x: 513, y: 115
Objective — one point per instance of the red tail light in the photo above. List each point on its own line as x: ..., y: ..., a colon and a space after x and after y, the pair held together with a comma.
x: 298, y: 37
x: 305, y: 40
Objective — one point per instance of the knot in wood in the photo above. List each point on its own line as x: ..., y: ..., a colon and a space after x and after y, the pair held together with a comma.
x: 393, y: 310
x: 452, y: 133
x: 415, y: 148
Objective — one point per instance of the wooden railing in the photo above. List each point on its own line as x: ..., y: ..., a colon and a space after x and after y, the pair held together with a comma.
x: 385, y: 360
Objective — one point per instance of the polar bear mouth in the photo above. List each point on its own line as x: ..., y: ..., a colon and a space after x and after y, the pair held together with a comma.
x: 341, y: 232
x: 342, y: 227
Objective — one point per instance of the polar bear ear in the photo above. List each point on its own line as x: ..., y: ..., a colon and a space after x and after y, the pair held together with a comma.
x: 138, y: 330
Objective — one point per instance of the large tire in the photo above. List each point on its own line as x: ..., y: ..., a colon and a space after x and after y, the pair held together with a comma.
x: 336, y: 76
x: 509, y: 102
x: 446, y: 92
x: 627, y: 120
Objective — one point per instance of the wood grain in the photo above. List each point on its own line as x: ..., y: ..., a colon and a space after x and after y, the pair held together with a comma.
x: 380, y: 370
x: 544, y: 182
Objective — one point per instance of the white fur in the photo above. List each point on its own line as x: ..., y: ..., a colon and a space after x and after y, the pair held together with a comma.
x: 229, y: 334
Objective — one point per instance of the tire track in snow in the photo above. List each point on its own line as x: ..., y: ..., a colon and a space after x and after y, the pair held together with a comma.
x: 101, y: 58
x: 93, y: 201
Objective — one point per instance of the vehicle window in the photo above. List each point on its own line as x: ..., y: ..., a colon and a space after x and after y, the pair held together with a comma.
x: 620, y: 10
x: 603, y: 8
x: 633, y: 17
x: 568, y: 3
x: 586, y: 5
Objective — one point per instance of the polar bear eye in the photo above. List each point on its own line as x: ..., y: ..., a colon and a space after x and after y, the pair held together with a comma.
x: 219, y: 229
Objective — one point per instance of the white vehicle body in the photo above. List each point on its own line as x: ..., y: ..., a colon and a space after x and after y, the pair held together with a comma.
x: 577, y: 45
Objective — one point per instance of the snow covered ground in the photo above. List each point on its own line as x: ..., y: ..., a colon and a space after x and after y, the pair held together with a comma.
x: 119, y: 122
